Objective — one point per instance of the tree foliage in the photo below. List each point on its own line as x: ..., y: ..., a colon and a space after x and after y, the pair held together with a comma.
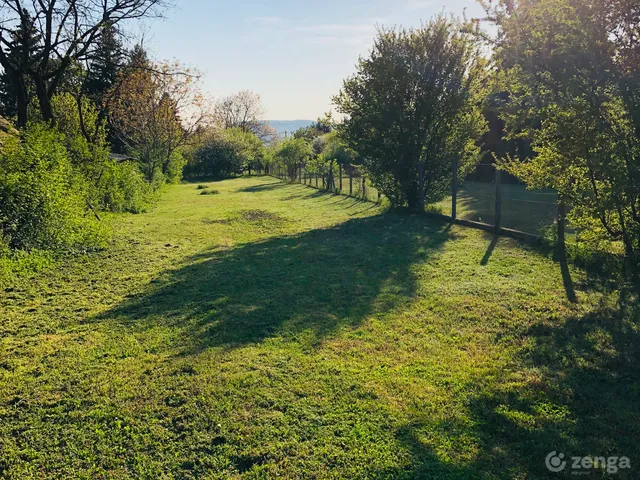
x: 566, y: 68
x: 225, y: 153
x: 244, y: 110
x: 292, y: 153
x: 54, y: 36
x: 413, y: 108
x: 155, y: 111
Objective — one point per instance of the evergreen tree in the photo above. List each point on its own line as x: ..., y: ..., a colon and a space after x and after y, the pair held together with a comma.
x: 105, y: 66
x: 24, y: 43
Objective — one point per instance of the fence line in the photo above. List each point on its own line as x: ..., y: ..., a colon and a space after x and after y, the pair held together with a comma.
x: 358, y: 185
x: 487, y: 198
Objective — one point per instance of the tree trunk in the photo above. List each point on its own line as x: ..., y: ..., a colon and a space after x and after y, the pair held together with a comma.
x: 43, y: 99
x: 413, y: 196
x: 420, y: 205
x: 22, y: 101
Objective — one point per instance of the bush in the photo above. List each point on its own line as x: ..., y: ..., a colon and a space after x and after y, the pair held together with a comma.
x: 113, y: 186
x: 292, y: 153
x: 121, y: 187
x: 222, y: 154
x: 43, y: 199
x: 175, y: 167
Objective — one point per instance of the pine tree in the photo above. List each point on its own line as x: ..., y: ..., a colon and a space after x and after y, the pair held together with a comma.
x: 24, y: 44
x: 105, y: 65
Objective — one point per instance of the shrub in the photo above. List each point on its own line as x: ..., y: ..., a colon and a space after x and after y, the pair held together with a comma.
x: 121, y: 187
x: 175, y: 167
x: 222, y: 154
x: 113, y: 186
x: 293, y: 152
x: 43, y: 199
x: 210, y: 192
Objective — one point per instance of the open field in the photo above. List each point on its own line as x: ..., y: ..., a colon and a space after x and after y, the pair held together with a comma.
x: 272, y: 330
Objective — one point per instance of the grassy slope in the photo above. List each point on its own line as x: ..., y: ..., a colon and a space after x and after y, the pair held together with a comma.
x: 274, y: 330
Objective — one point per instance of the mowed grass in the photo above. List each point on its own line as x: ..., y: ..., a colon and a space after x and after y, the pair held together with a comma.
x: 272, y: 330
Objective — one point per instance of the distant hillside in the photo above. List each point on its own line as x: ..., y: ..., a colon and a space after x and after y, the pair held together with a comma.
x: 288, y: 126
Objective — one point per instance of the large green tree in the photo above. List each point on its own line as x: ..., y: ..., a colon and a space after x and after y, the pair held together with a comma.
x: 413, y: 108
x: 568, y: 69
x: 292, y: 153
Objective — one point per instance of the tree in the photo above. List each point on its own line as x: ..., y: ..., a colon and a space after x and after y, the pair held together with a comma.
x: 413, y: 107
x: 291, y: 153
x: 15, y: 89
x: 105, y: 65
x: 331, y: 151
x: 156, y: 111
x: 67, y: 33
x: 317, y: 129
x: 224, y: 153
x: 244, y: 110
x: 565, y: 65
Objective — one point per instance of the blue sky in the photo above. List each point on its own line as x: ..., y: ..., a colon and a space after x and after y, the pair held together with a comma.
x: 294, y: 54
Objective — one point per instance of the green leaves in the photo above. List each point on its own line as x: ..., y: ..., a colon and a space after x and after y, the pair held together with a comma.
x: 412, y: 106
x: 565, y: 84
x: 292, y: 152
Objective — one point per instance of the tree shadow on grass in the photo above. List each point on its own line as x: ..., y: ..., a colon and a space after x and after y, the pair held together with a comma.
x: 304, y: 286
x: 263, y: 187
x: 574, y: 389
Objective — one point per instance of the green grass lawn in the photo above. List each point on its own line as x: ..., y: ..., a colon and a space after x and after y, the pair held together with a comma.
x: 272, y: 330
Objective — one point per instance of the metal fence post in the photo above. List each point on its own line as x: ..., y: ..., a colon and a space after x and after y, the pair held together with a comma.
x: 454, y: 190
x: 340, y: 178
x: 350, y: 182
x: 364, y: 188
x: 498, y: 222
x: 562, y: 221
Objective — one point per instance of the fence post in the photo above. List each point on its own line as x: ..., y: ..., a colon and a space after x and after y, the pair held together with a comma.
x: 562, y: 221
x: 454, y: 190
x: 498, y: 222
x: 316, y: 175
x: 340, y: 178
x: 364, y: 190
x: 350, y: 182
x: 379, y: 197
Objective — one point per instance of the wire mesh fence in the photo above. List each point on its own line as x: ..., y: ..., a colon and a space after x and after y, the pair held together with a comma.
x: 486, y: 196
x: 342, y: 179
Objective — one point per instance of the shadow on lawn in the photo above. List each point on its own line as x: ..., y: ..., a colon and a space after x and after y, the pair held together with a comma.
x: 575, y: 389
x: 263, y: 187
x: 306, y: 285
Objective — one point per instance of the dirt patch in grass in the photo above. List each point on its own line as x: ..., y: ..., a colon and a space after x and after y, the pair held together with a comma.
x: 260, y: 216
